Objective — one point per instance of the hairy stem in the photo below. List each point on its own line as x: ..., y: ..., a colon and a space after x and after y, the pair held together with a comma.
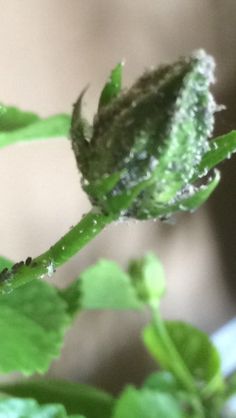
x: 46, y: 264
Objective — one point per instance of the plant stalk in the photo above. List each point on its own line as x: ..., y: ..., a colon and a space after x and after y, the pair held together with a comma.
x: 175, y: 363
x: 46, y: 264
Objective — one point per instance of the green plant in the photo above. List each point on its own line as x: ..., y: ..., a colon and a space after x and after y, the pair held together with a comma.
x: 146, y: 156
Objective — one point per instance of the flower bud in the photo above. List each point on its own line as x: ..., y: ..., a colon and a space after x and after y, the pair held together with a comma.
x: 146, y: 143
x: 148, y: 279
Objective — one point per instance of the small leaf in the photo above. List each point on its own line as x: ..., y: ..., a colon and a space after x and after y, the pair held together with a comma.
x: 102, y: 186
x: 220, y: 148
x: 33, y: 320
x: 54, y: 126
x: 146, y: 403
x: 106, y: 286
x: 200, y: 195
x: 113, y: 86
x: 12, y: 118
x: 165, y: 382
x: 76, y: 398
x: 190, y: 203
x: 72, y: 296
x: 28, y: 408
x: 162, y: 382
x: 194, y: 347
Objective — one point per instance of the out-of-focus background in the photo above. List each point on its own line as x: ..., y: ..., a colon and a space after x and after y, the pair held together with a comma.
x: 50, y: 50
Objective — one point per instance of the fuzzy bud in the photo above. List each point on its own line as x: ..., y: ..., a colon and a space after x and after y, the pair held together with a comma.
x: 148, y: 141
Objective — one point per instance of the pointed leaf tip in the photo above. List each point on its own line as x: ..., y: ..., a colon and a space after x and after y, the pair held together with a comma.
x: 112, y: 87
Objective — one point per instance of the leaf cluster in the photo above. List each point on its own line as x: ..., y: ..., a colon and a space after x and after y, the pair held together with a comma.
x: 34, y: 318
x: 33, y: 322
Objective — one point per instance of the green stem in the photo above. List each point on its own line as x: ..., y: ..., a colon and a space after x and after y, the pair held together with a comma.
x: 175, y: 362
x: 46, y: 264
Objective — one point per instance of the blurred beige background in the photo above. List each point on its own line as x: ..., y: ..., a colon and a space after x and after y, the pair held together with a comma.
x: 50, y: 50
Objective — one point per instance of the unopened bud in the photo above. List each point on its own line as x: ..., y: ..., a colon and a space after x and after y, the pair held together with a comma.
x: 148, y: 140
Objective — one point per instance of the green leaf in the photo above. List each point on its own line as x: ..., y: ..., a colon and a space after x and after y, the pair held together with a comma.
x: 12, y: 118
x: 146, y: 403
x: 103, y: 185
x: 54, y: 126
x: 148, y: 278
x: 220, y: 148
x: 200, y: 195
x: 33, y: 320
x: 113, y: 86
x: 162, y: 381
x: 165, y: 382
x: 102, y: 286
x: 195, y: 349
x: 106, y: 286
x: 72, y: 296
x: 76, y: 398
x: 22, y: 408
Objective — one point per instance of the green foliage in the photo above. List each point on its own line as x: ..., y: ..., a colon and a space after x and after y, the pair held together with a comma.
x: 112, y: 88
x: 153, y: 137
x: 221, y: 148
x: 12, y: 118
x: 145, y: 403
x: 147, y: 155
x: 19, y: 126
x: 33, y: 320
x: 162, y: 381
x: 195, y: 349
x: 101, y: 286
x: 106, y: 286
x: 148, y: 278
x: 21, y: 408
x: 75, y: 398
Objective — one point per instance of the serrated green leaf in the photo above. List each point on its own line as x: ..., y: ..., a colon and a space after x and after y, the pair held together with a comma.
x: 195, y: 349
x: 106, y: 286
x: 54, y: 126
x: 113, y: 86
x: 76, y: 398
x: 33, y: 320
x: 146, y: 403
x: 28, y: 408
